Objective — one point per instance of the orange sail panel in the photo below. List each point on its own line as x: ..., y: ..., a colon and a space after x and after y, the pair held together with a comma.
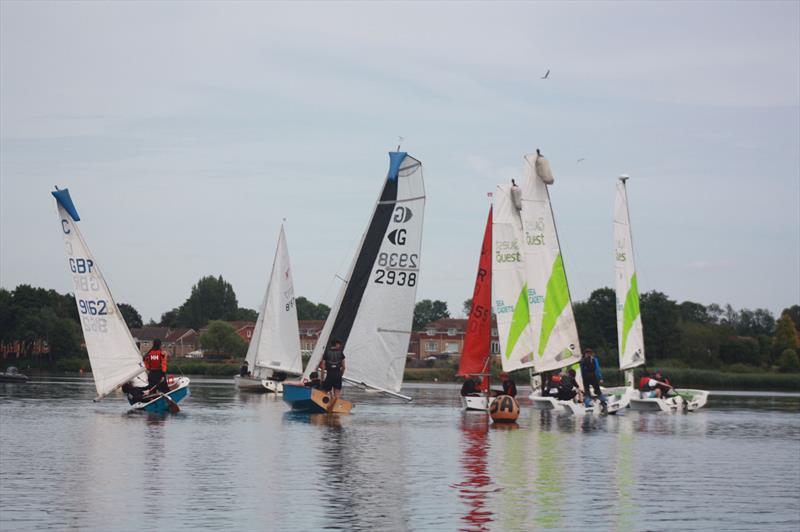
x: 477, y: 341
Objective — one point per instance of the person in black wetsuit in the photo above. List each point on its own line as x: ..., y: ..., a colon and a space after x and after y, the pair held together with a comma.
x: 244, y: 371
x: 509, y: 386
x: 333, y: 365
x: 313, y: 381
x: 568, y: 387
x: 469, y: 387
x: 592, y: 378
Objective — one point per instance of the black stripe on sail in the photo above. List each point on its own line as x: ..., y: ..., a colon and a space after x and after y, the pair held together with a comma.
x: 366, y: 259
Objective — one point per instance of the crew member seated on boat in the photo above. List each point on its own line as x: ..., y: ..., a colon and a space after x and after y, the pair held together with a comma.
x: 134, y: 393
x: 313, y: 381
x: 567, y: 388
x: 509, y: 386
x: 333, y: 366
x: 592, y: 378
x: 155, y: 362
x: 278, y: 376
x: 470, y: 387
x: 663, y: 384
x: 551, y: 382
x: 244, y: 371
x: 651, y: 387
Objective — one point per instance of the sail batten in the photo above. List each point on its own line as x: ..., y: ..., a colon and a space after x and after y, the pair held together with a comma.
x: 379, y: 290
x: 113, y: 354
x: 554, y: 331
x: 630, y: 334
x: 275, y: 345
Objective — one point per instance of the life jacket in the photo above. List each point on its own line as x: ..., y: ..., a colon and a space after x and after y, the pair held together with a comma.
x: 510, y: 388
x: 555, y: 378
x: 155, y: 360
x: 333, y: 360
x: 644, y: 384
x: 587, y: 366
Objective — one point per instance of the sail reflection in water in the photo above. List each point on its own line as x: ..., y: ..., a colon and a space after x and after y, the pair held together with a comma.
x: 473, y: 490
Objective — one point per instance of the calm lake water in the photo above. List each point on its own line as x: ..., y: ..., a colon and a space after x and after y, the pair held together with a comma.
x: 237, y: 461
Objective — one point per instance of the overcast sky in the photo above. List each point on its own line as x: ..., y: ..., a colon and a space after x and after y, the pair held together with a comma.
x: 187, y: 131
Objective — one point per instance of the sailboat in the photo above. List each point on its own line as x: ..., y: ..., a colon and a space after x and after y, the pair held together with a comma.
x: 630, y: 332
x: 553, y: 329
x: 275, y: 346
x: 476, y: 355
x: 373, y: 311
x: 113, y: 355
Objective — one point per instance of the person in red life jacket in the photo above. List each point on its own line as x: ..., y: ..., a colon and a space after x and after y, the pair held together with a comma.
x: 155, y: 362
x: 551, y: 383
x: 509, y: 386
x: 653, y: 386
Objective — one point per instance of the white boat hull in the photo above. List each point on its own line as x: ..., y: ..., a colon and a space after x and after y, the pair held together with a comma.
x: 697, y: 399
x: 249, y: 384
x: 477, y: 402
x: 614, y: 405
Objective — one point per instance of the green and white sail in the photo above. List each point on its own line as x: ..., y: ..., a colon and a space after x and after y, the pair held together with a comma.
x: 553, y: 330
x: 629, y: 320
x: 508, y: 280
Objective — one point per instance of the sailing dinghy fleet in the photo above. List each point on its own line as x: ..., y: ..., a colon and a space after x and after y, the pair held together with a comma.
x: 521, y: 277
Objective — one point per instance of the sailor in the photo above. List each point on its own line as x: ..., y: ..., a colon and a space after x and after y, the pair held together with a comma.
x: 313, y: 381
x: 651, y: 386
x: 551, y: 382
x: 592, y: 378
x: 133, y: 392
x: 279, y: 376
x: 333, y: 366
x: 244, y: 371
x: 155, y: 362
x: 509, y: 386
x: 567, y: 388
x: 469, y: 387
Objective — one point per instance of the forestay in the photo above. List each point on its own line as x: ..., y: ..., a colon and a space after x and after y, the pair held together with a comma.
x: 276, y: 339
x: 508, y: 281
x: 555, y: 336
x: 373, y: 312
x: 629, y: 320
x: 112, y: 352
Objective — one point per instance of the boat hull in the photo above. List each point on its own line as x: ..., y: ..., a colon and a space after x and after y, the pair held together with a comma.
x: 160, y: 405
x: 614, y: 405
x: 477, y: 402
x: 13, y: 377
x: 249, y: 384
x: 313, y: 401
x: 689, y: 400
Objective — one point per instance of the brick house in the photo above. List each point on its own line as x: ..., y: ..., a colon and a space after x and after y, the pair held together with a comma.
x: 445, y: 336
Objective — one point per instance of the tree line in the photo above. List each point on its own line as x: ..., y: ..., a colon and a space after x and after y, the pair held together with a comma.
x: 687, y: 333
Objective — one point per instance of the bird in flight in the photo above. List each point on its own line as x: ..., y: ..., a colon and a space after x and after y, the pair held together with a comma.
x: 581, y: 159
x: 547, y: 74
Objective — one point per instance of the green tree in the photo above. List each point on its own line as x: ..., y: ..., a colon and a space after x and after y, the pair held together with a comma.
x: 596, y: 319
x: 467, y: 307
x: 65, y: 338
x: 246, y: 314
x: 740, y: 349
x: 220, y: 340
x: 307, y: 310
x: 785, y: 336
x: 131, y: 316
x: 695, y: 312
x: 212, y: 298
x: 660, y: 318
x: 794, y: 314
x: 427, y: 311
x: 789, y: 361
x: 699, y: 344
x: 169, y: 319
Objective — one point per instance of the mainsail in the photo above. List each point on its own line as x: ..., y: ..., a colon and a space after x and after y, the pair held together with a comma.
x: 629, y: 320
x: 112, y: 352
x: 555, y: 336
x: 373, y: 312
x: 508, y: 280
x: 477, y: 340
x: 276, y: 339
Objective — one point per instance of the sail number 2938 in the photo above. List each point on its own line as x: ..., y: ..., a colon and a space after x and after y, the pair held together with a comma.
x: 400, y: 278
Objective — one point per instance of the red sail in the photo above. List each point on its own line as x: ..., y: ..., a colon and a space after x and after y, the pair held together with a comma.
x: 477, y: 341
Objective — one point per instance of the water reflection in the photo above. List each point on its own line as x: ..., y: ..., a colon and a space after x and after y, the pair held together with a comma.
x: 473, y: 490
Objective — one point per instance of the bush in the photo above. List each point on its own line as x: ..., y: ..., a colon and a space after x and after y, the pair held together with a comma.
x: 789, y: 361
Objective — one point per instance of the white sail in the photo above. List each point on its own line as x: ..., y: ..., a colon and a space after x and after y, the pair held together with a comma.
x: 629, y: 320
x: 275, y: 344
x: 112, y: 351
x: 555, y: 336
x: 508, y: 281
x: 373, y: 312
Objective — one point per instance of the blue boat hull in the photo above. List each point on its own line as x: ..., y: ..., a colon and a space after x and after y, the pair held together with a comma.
x: 161, y: 405
x: 313, y: 401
